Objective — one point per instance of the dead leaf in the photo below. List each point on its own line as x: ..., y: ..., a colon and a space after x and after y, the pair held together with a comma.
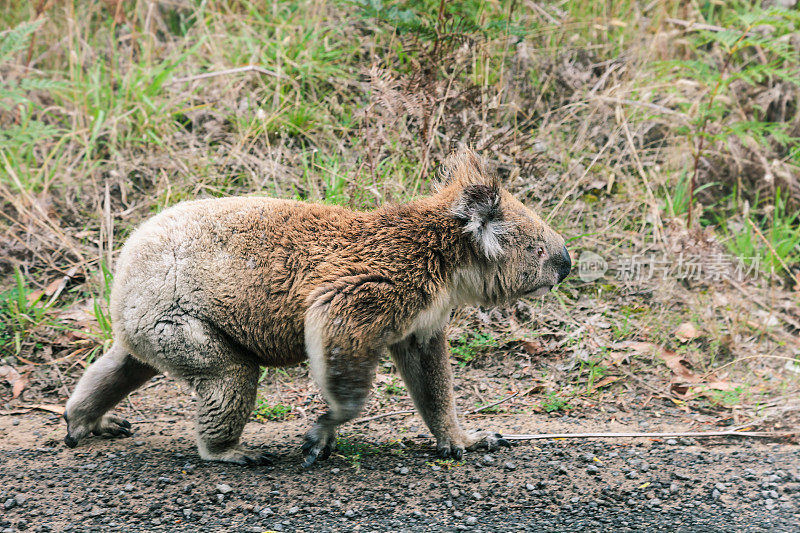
x: 9, y: 373
x: 19, y: 386
x: 686, y: 332
x: 34, y: 296
x: 680, y: 366
x: 57, y: 409
x: 18, y: 382
x: 54, y: 289
x: 608, y: 380
x: 638, y: 347
x: 533, y: 347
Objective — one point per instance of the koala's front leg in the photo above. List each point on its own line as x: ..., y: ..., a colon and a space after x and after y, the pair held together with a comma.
x: 345, y: 383
x: 425, y: 367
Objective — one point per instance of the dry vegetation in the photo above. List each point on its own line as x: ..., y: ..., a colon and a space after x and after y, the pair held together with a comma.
x: 663, y: 131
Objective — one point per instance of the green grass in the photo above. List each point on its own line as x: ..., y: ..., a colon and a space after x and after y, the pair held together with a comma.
x: 778, y: 244
x: 554, y: 403
x: 395, y: 388
x: 353, y: 449
x: 23, y: 312
x: 467, y: 348
x: 277, y: 412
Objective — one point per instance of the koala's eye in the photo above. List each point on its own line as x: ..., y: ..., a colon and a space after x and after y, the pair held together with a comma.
x: 538, y: 250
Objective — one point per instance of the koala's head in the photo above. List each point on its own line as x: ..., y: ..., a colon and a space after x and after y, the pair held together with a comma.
x: 516, y: 253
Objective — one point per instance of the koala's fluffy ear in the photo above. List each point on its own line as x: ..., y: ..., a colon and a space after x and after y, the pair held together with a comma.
x: 478, y: 208
x: 465, y: 167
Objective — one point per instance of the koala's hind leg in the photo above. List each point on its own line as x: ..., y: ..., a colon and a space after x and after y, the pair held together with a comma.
x: 425, y: 367
x: 226, y: 401
x: 107, y: 381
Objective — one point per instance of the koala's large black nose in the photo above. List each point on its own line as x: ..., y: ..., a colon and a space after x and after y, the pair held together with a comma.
x: 564, y: 264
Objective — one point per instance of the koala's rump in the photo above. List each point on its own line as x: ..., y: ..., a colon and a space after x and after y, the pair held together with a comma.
x: 236, y: 271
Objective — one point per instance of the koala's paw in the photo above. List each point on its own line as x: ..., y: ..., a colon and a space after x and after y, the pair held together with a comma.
x: 487, y: 440
x: 319, y: 444
x: 240, y: 455
x: 454, y: 448
x: 105, y: 426
x: 450, y: 450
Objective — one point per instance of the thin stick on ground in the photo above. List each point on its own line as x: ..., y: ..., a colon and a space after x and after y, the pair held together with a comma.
x: 384, y: 415
x: 656, y: 435
x: 411, y: 411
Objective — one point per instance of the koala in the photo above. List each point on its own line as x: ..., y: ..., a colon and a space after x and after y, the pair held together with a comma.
x: 212, y: 290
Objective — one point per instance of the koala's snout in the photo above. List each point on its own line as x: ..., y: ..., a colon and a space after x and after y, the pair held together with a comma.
x: 564, y: 264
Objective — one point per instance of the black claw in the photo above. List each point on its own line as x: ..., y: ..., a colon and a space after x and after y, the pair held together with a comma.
x: 458, y: 453
x: 444, y: 453
x: 125, y: 424
x: 262, y: 459
x: 325, y: 453
x: 503, y: 442
x: 309, y: 460
x: 70, y: 441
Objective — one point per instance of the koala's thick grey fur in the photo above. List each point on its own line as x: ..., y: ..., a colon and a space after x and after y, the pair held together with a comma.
x: 211, y: 290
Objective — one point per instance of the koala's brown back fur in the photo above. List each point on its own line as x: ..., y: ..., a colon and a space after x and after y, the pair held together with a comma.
x: 249, y: 265
x: 212, y: 289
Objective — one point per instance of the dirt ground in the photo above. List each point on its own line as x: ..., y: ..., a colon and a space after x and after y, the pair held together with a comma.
x: 386, y: 478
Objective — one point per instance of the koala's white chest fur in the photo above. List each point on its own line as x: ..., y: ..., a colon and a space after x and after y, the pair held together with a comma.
x: 433, y: 319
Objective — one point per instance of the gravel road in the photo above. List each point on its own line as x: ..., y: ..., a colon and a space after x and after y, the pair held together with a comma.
x: 154, y: 481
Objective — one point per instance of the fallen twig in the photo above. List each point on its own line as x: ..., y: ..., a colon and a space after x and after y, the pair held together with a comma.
x: 487, y: 406
x: 237, y: 70
x: 383, y: 415
x: 411, y: 411
x: 692, y: 434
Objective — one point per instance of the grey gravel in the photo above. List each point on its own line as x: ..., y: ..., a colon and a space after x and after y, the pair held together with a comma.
x: 223, y: 488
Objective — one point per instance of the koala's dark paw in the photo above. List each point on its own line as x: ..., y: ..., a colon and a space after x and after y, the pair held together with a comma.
x: 112, y: 426
x: 317, y: 446
x: 239, y: 455
x: 106, y: 426
x: 450, y: 451
x: 256, y: 458
x: 490, y: 441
